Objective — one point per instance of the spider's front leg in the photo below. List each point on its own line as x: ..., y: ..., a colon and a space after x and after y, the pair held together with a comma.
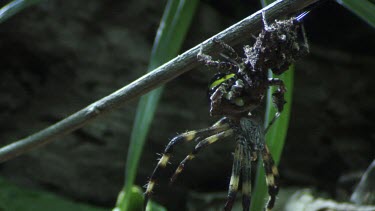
x: 222, y: 125
x: 305, y: 48
x: 277, y: 98
x: 216, y: 99
x: 220, y: 65
x: 231, y: 53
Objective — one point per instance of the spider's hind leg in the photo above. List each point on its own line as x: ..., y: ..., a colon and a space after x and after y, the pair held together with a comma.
x: 222, y: 125
x: 246, y: 177
x: 235, y: 177
x: 272, y: 177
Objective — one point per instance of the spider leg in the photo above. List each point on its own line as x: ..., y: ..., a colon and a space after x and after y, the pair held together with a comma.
x: 221, y: 125
x: 232, y: 54
x: 305, y: 46
x: 266, y: 26
x: 277, y: 98
x: 277, y: 115
x: 215, y: 100
x: 208, y: 61
x: 246, y: 177
x: 235, y: 177
x: 202, y: 144
x: 278, y: 95
x: 272, y: 177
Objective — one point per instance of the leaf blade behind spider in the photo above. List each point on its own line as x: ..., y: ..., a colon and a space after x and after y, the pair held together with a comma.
x: 275, y: 138
x: 362, y: 8
x: 168, y: 41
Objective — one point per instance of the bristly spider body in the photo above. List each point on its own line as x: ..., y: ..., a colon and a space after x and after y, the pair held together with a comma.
x: 234, y: 93
x: 242, y: 86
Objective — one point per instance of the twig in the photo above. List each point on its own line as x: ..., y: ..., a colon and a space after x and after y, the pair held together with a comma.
x: 233, y: 35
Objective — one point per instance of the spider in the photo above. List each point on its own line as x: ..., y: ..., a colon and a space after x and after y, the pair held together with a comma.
x: 234, y: 93
x: 241, y: 88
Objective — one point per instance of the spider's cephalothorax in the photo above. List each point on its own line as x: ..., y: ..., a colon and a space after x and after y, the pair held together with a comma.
x: 244, y: 81
x: 234, y: 93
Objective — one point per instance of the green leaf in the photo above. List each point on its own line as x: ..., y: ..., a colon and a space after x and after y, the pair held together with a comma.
x: 275, y: 138
x: 17, y: 198
x: 168, y: 41
x: 363, y: 8
x: 136, y: 201
x: 14, y: 7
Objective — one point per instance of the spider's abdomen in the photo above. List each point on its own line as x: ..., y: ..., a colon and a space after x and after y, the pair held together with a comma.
x: 252, y: 130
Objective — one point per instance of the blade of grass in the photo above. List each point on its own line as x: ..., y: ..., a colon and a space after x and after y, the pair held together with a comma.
x: 14, y: 7
x: 362, y: 8
x: 136, y: 202
x: 168, y: 41
x: 276, y: 135
x: 275, y: 138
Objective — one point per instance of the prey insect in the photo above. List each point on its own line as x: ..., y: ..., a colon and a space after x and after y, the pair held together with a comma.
x: 234, y: 93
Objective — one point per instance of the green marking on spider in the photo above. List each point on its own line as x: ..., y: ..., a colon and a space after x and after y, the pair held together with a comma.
x: 221, y: 80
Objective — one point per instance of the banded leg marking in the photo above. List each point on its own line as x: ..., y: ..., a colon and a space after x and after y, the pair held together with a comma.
x: 246, y: 178
x: 235, y: 177
x: 221, y: 125
x: 202, y: 144
x: 272, y: 177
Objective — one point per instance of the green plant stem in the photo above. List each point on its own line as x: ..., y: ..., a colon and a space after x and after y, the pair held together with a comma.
x: 171, y: 33
x: 275, y: 138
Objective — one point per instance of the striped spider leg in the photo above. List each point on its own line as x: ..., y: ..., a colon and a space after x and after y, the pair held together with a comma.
x: 220, y: 129
x: 250, y: 142
x: 249, y: 136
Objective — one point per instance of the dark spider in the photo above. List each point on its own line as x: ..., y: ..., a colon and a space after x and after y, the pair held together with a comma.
x: 234, y: 94
x: 242, y: 86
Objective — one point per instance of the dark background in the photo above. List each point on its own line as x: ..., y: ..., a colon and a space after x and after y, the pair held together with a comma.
x: 59, y: 56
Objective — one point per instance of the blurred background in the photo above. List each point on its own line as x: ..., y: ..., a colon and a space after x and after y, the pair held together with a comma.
x: 59, y: 56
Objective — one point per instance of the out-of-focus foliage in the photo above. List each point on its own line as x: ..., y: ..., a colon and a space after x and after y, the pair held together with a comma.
x: 365, y: 190
x: 168, y: 41
x: 363, y: 8
x: 16, y: 198
x: 136, y: 201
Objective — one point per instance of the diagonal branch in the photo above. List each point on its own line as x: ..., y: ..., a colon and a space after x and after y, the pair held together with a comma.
x: 233, y: 35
